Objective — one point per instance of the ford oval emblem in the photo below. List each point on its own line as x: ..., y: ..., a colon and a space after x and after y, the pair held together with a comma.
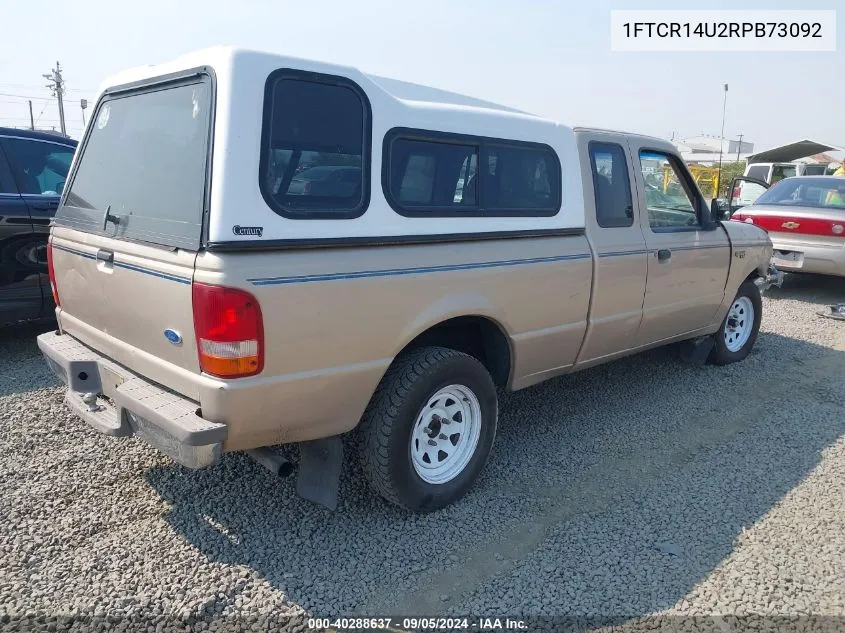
x: 173, y: 336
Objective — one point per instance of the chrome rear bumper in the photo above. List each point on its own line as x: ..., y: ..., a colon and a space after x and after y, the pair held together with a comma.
x: 116, y: 402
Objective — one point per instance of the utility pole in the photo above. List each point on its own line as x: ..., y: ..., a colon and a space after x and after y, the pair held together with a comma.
x: 738, y: 148
x: 722, y: 141
x: 57, y: 86
x: 31, y: 119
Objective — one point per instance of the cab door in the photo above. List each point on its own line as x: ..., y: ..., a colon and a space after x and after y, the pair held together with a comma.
x: 619, y: 247
x: 688, y: 254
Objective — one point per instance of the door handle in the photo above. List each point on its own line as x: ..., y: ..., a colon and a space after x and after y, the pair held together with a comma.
x: 664, y: 255
x: 45, y: 206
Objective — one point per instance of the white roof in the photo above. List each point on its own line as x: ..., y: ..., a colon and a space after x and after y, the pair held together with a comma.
x: 224, y: 58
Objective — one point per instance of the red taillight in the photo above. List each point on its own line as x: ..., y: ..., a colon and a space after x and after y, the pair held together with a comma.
x: 52, y: 273
x: 735, y: 195
x: 229, y: 330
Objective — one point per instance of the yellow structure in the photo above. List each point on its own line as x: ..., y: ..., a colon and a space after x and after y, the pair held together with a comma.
x: 707, y: 178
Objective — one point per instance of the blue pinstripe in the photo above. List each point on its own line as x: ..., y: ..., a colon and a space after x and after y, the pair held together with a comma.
x: 132, y: 267
x: 272, y: 281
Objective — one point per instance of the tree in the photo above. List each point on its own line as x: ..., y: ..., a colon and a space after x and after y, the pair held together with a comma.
x: 729, y: 172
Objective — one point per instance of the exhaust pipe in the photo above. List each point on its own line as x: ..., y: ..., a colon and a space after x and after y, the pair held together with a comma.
x: 272, y: 461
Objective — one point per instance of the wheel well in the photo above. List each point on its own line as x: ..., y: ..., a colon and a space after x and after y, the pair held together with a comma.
x: 752, y: 275
x: 477, y: 336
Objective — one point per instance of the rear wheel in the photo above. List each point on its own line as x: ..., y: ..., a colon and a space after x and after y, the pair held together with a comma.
x: 429, y: 428
x: 738, y: 332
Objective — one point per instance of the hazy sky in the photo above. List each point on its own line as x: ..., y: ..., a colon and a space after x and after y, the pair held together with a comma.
x: 550, y: 57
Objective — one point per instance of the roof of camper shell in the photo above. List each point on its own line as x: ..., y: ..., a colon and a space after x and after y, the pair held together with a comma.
x: 223, y: 59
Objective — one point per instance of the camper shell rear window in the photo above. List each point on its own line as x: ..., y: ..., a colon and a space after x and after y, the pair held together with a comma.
x: 315, y: 146
x: 142, y: 170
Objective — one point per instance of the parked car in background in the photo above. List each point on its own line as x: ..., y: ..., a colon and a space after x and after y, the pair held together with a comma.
x: 775, y: 172
x: 805, y: 219
x: 327, y: 181
x: 770, y: 174
x: 33, y: 169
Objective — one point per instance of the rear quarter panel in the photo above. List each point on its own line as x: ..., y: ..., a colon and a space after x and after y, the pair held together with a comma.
x: 335, y: 318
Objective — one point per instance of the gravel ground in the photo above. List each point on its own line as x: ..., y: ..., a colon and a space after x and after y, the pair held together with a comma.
x: 644, y: 489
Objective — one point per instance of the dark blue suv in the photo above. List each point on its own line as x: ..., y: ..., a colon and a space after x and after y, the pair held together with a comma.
x: 33, y: 169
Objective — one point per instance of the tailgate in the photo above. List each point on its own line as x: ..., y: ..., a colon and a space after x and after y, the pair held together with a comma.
x: 120, y: 298
x: 129, y: 228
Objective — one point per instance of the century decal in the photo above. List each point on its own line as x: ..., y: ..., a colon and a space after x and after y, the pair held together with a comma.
x: 257, y: 231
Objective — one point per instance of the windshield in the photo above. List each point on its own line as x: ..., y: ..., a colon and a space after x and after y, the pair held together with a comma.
x: 804, y: 191
x: 144, y: 164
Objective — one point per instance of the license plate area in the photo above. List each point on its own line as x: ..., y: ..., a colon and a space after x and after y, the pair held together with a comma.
x: 793, y: 259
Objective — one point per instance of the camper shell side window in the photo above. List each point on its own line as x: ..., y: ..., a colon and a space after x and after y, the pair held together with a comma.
x: 315, y: 146
x: 440, y: 174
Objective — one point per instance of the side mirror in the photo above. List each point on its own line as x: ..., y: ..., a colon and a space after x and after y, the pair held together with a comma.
x: 718, y: 211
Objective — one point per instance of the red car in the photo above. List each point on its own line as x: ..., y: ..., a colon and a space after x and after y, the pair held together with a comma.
x: 805, y: 219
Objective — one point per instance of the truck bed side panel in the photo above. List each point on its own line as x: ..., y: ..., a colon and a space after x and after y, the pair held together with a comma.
x: 335, y: 318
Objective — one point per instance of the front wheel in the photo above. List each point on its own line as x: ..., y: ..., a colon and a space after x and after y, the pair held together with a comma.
x: 429, y: 428
x: 738, y: 332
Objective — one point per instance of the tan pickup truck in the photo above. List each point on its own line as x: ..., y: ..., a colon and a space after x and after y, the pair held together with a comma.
x: 254, y: 250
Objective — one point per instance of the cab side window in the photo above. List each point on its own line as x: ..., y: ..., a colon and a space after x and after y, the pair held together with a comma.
x: 39, y: 167
x: 614, y: 205
x: 670, y: 198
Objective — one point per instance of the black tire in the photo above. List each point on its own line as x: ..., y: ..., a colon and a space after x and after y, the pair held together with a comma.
x: 389, y: 421
x: 721, y: 355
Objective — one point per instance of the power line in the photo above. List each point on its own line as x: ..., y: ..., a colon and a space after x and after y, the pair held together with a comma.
x: 26, y: 118
x: 11, y: 102
x: 28, y: 86
x: 42, y: 112
x: 6, y: 94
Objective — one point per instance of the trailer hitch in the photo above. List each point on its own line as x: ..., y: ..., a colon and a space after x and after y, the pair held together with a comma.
x: 773, y: 277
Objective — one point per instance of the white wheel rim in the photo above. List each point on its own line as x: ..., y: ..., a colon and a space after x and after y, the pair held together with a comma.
x: 446, y: 434
x: 739, y: 323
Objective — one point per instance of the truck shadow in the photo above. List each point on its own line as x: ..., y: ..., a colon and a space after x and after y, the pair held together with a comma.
x: 624, y: 486
x: 24, y: 368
